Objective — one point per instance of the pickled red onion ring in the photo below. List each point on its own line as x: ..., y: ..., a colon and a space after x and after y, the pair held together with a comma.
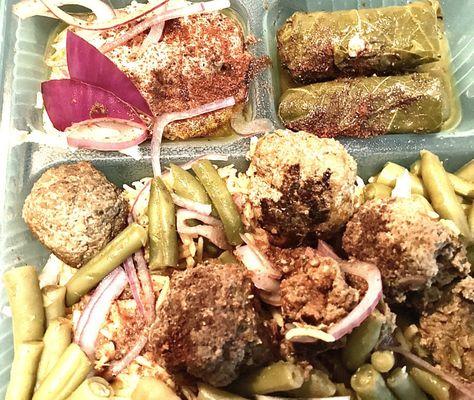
x: 249, y: 128
x: 190, y: 205
x: 30, y: 8
x: 134, y: 283
x: 147, y: 285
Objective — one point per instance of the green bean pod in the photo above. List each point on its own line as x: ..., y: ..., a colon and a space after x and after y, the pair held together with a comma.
x: 382, y: 361
x: 227, y: 258
x: 56, y: 340
x: 162, y: 233
x: 461, y: 186
x: 361, y: 341
x: 187, y: 186
x: 278, y: 377
x: 466, y: 171
x: 377, y: 190
x: 69, y: 372
x: 150, y: 388
x: 404, y: 386
x: 54, y: 300
x: 431, y: 384
x: 441, y: 192
x: 221, y: 199
x: 94, y: 388
x: 391, y: 171
x: 318, y: 385
x: 415, y: 168
x: 370, y: 385
x: 207, y: 392
x: 23, y: 372
x: 127, y: 242
x: 26, y: 302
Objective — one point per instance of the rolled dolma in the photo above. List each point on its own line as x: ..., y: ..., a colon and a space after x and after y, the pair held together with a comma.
x: 367, y: 106
x: 324, y: 45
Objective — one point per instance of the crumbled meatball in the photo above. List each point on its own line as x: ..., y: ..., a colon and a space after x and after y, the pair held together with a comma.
x: 210, y: 324
x: 447, y: 330
x: 301, y: 186
x: 75, y: 211
x: 317, y: 293
x: 417, y: 256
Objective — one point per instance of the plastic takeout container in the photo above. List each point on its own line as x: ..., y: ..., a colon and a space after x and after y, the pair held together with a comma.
x: 22, y: 69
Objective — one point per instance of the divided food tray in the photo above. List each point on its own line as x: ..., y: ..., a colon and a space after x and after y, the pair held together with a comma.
x: 22, y: 69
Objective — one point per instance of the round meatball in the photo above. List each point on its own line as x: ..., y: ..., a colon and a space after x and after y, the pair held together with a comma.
x: 447, y: 330
x: 210, y: 325
x: 75, y: 211
x: 416, y: 254
x: 301, y: 186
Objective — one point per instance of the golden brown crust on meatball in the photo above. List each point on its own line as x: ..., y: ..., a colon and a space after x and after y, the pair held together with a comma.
x: 447, y: 331
x: 412, y: 251
x: 75, y: 211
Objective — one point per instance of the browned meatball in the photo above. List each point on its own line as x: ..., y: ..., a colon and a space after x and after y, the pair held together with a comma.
x: 416, y: 254
x: 301, y: 186
x: 210, y: 324
x: 447, y: 330
x: 75, y: 211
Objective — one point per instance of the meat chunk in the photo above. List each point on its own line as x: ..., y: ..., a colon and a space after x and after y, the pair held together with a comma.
x: 417, y: 256
x: 210, y: 324
x: 200, y: 59
x: 447, y: 330
x: 301, y: 186
x: 75, y: 211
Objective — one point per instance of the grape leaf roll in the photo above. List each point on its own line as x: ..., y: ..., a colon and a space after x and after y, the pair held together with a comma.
x: 319, y: 46
x: 367, y: 106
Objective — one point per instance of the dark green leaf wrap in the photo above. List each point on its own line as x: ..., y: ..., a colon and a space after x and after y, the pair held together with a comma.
x: 324, y: 45
x: 367, y: 106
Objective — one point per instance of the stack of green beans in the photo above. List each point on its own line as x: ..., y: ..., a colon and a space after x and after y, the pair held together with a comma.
x: 450, y: 195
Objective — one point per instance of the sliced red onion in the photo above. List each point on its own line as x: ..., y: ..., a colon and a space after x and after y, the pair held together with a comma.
x: 68, y: 101
x: 147, y: 286
x: 269, y: 270
x: 250, y: 128
x: 154, y: 36
x: 87, y: 64
x: 30, y: 8
x: 193, y: 8
x: 98, y: 308
x: 274, y: 299
x: 165, y: 119
x: 466, y: 389
x: 213, y: 230
x: 371, y: 274
x: 106, y: 134
x: 145, y: 190
x: 326, y: 250
x: 134, y: 283
x: 261, y: 277
x: 52, y: 6
x: 191, y: 205
x: 307, y: 334
x: 118, y: 366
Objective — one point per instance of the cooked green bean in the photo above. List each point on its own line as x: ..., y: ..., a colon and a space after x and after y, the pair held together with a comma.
x: 404, y: 386
x: 54, y: 300
x: 415, y: 168
x: 23, y: 372
x: 69, y: 372
x: 207, y: 392
x: 382, y: 361
x: 278, y: 377
x: 441, y: 192
x: 423, y: 203
x: 56, y: 340
x: 431, y: 384
x: 377, y: 191
x: 466, y: 171
x: 221, y: 199
x: 361, y: 342
x: 94, y: 388
x: 26, y: 303
x: 150, y: 388
x: 318, y: 385
x: 162, y: 233
x: 227, y: 258
x: 127, y: 242
x: 187, y: 186
x: 342, y: 390
x: 370, y: 385
x: 462, y: 186
x: 389, y: 174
